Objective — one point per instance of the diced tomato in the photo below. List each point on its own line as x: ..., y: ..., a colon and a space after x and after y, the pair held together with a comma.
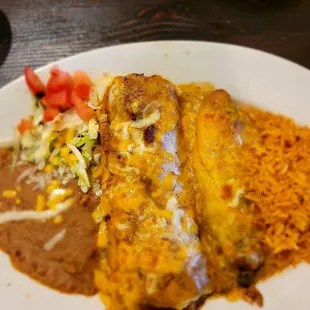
x: 25, y: 124
x: 43, y: 101
x: 82, y: 84
x: 75, y: 99
x: 82, y: 109
x: 33, y: 81
x: 54, y: 70
x: 59, y: 80
x: 59, y: 100
x: 83, y: 90
x: 50, y: 113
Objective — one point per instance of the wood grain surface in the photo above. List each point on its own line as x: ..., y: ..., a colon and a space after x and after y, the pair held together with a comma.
x: 35, y: 32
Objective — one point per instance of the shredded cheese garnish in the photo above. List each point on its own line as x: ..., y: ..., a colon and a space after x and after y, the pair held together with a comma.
x: 151, y: 283
x: 122, y: 226
x: 52, y: 186
x: 34, y: 215
x: 236, y: 200
x: 9, y: 194
x: 58, y: 219
x: 40, y: 203
x: 49, y: 245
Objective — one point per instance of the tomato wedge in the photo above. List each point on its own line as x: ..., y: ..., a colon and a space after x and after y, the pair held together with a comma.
x: 59, y: 80
x: 81, y: 108
x: 33, y: 81
x: 63, y: 91
x: 59, y: 100
x: 25, y: 124
x: 50, y: 113
x: 54, y: 70
x: 82, y: 84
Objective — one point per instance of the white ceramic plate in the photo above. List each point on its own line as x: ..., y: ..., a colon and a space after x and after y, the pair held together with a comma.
x: 248, y: 75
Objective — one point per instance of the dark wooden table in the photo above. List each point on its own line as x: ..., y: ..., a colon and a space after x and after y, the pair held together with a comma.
x: 34, y: 32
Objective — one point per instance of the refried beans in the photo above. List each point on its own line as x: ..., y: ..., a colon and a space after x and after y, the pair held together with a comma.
x: 68, y: 265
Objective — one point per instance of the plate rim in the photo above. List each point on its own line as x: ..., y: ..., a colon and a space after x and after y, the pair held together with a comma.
x: 162, y: 42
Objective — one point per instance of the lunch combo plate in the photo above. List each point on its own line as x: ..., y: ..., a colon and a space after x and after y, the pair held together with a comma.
x: 263, y: 80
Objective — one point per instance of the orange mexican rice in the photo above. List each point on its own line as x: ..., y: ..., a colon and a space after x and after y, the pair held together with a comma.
x: 278, y: 179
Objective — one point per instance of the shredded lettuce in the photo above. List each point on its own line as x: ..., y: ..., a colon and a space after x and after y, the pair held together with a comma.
x: 79, y: 140
x: 27, y: 140
x: 87, y: 149
x: 93, y: 128
x: 86, y: 144
x: 37, y: 116
x: 43, y: 152
x: 83, y: 180
x: 54, y: 153
x: 78, y: 154
x: 16, y: 149
x: 80, y: 168
x: 39, y: 146
x: 69, y: 119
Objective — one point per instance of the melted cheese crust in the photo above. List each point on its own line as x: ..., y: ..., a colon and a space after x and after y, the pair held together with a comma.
x: 155, y: 255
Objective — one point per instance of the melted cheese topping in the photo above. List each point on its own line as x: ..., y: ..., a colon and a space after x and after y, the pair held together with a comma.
x: 172, y: 204
x: 154, y: 230
x: 142, y: 123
